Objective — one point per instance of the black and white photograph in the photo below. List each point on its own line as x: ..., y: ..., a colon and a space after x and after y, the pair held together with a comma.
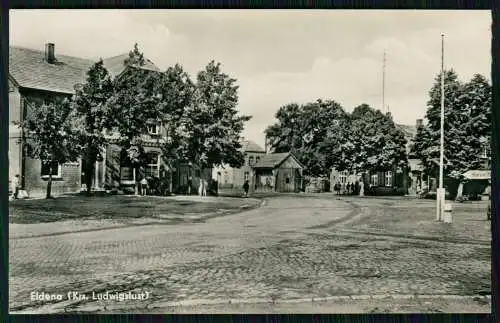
x: 249, y: 161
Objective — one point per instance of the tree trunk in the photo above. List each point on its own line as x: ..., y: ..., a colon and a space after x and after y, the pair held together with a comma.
x: 170, y: 184
x: 49, y: 183
x: 88, y: 177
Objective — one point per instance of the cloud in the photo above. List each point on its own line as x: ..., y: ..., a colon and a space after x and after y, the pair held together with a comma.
x: 99, y: 33
x: 412, y: 63
x: 280, y: 57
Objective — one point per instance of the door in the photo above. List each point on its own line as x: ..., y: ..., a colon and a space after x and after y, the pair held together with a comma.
x: 286, y: 180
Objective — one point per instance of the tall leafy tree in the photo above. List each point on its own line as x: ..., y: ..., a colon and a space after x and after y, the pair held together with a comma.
x: 466, y: 123
x: 90, y: 103
x: 316, y: 132
x: 210, y: 128
x: 134, y: 106
x: 375, y: 141
x: 176, y: 90
x: 50, y: 135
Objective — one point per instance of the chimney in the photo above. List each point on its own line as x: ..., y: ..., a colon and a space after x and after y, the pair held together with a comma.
x: 420, y: 123
x: 50, y: 56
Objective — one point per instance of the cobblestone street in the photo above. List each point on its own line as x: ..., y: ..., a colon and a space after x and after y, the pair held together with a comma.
x: 292, y: 247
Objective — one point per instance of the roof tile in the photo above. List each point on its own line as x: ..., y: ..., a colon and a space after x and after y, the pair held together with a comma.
x: 30, y: 69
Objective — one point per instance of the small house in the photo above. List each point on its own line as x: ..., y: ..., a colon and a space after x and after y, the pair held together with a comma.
x: 279, y: 172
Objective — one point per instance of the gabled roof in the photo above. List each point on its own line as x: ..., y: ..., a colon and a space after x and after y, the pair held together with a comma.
x: 29, y: 69
x: 250, y: 146
x: 274, y: 160
x: 116, y: 64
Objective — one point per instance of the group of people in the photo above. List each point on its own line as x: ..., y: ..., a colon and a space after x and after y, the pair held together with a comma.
x: 202, y: 187
x: 347, y: 189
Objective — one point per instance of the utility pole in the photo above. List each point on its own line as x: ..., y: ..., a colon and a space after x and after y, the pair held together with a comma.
x: 383, y: 85
x: 440, y: 194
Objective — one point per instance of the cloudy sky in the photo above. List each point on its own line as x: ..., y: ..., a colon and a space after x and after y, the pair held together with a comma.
x: 282, y: 56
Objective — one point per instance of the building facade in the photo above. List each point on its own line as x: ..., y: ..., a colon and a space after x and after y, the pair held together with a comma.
x: 234, y: 178
x: 37, y: 77
x: 278, y: 172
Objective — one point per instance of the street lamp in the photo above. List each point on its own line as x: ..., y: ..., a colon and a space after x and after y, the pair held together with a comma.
x: 440, y: 193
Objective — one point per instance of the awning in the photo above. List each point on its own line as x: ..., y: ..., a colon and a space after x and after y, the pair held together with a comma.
x: 477, y: 174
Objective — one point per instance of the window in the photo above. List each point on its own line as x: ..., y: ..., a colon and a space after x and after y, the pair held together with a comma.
x: 152, y: 168
x: 153, y: 129
x: 47, y: 167
x: 126, y: 169
x: 287, y: 180
x: 374, y: 180
x: 247, y: 176
x: 388, y: 178
x: 343, y: 177
x: 257, y: 159
x: 250, y: 161
x: 226, y: 177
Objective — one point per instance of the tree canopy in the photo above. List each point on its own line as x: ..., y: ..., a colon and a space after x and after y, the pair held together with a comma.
x: 323, y: 135
x: 466, y: 126
x: 91, y: 106
x: 51, y: 135
x: 210, y: 127
x: 134, y: 105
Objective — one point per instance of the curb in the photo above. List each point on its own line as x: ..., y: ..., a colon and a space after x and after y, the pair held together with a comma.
x: 314, y: 299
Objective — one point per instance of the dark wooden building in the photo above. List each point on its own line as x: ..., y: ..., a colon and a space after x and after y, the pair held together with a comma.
x: 279, y: 172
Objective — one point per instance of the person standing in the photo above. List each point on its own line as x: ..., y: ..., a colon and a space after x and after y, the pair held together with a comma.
x: 488, y: 191
x: 15, y: 187
x: 246, y: 187
x: 144, y: 186
x: 190, y: 184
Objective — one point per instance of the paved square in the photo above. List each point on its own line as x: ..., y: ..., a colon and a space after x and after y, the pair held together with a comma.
x: 295, y: 247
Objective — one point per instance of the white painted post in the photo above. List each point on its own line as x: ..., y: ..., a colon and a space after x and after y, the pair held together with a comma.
x: 447, y: 217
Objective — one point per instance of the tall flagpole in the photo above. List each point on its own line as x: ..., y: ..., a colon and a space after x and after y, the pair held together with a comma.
x: 383, y: 85
x: 441, y: 192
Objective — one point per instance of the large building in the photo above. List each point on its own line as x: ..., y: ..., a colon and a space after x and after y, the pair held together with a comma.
x: 37, y: 77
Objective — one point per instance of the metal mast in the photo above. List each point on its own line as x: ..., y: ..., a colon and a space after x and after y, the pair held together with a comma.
x: 383, y: 85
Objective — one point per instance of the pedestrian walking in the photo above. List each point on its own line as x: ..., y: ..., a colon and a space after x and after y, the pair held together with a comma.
x: 246, y: 187
x: 349, y: 188
x: 144, y: 186
x: 356, y: 188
